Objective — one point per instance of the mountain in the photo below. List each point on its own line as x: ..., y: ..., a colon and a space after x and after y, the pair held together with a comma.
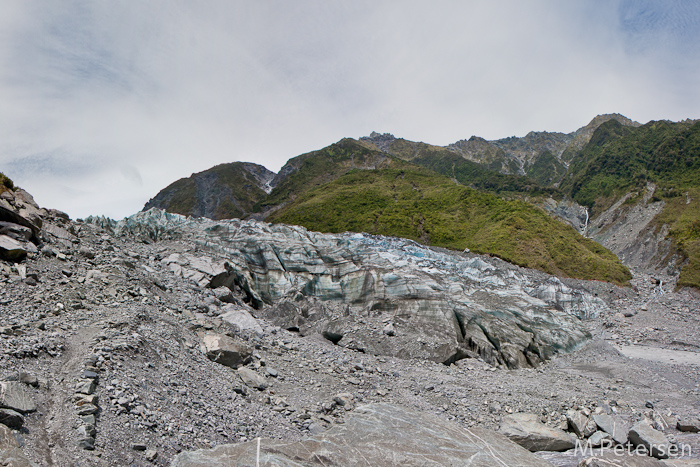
x: 543, y: 156
x: 222, y: 192
x: 642, y: 184
x: 446, y: 162
x: 630, y: 187
x: 317, y: 168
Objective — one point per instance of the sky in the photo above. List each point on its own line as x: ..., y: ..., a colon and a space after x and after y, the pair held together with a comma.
x: 105, y: 102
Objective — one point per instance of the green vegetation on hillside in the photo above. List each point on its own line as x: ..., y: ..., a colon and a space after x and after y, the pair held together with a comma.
x: 474, y: 175
x: 619, y: 159
x: 418, y: 204
x: 5, y: 183
x: 682, y: 214
x: 482, y: 177
x: 545, y: 169
x: 316, y: 168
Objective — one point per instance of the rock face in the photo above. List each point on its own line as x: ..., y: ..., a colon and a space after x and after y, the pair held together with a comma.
x: 613, y: 426
x: 20, y: 224
x: 442, y: 306
x: 14, y: 395
x: 526, y: 430
x: 376, y: 435
x: 221, y: 192
x: 656, y: 443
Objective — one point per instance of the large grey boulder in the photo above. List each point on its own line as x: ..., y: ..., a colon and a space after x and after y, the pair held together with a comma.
x: 614, y: 426
x: 11, y: 249
x: 240, y: 318
x: 375, y: 435
x: 655, y: 442
x: 526, y: 430
x: 14, y: 395
x: 226, y: 350
x: 443, y: 306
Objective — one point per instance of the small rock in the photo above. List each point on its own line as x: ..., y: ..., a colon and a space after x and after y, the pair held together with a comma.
x: 28, y: 379
x: 87, y: 431
x: 151, y: 455
x: 389, y: 330
x: 692, y: 426
x: 86, y: 386
x: 87, y: 409
x: 88, y: 374
x: 88, y: 419
x: 139, y: 447
x: 87, y: 443
x: 577, y: 422
x: 316, y: 428
x: 252, y: 379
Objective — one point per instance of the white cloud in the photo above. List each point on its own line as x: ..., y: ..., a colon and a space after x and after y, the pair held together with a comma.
x: 105, y: 103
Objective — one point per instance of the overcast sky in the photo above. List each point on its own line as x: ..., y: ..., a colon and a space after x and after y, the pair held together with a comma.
x: 104, y: 103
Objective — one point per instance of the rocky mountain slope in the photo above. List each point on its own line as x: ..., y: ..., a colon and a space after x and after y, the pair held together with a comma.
x: 222, y: 192
x: 162, y: 340
x: 543, y: 156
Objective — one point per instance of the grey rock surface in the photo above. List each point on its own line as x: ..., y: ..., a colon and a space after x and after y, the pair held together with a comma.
x: 225, y: 350
x: 642, y: 434
x: 614, y: 426
x: 15, y: 395
x: 376, y: 435
x: 527, y: 430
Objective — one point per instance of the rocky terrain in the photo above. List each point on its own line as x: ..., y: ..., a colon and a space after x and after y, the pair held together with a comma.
x: 164, y: 340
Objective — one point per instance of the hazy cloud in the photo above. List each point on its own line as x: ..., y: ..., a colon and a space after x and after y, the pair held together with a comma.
x: 105, y: 103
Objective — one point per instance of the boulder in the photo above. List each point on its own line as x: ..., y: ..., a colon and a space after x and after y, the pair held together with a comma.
x: 14, y: 395
x: 526, y: 430
x: 226, y: 350
x: 642, y: 434
x: 16, y: 231
x: 224, y: 294
x: 614, y: 426
x: 577, y: 422
x: 11, y: 249
x: 692, y: 426
x: 376, y: 435
x: 252, y: 379
x: 241, y: 318
x: 600, y: 438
